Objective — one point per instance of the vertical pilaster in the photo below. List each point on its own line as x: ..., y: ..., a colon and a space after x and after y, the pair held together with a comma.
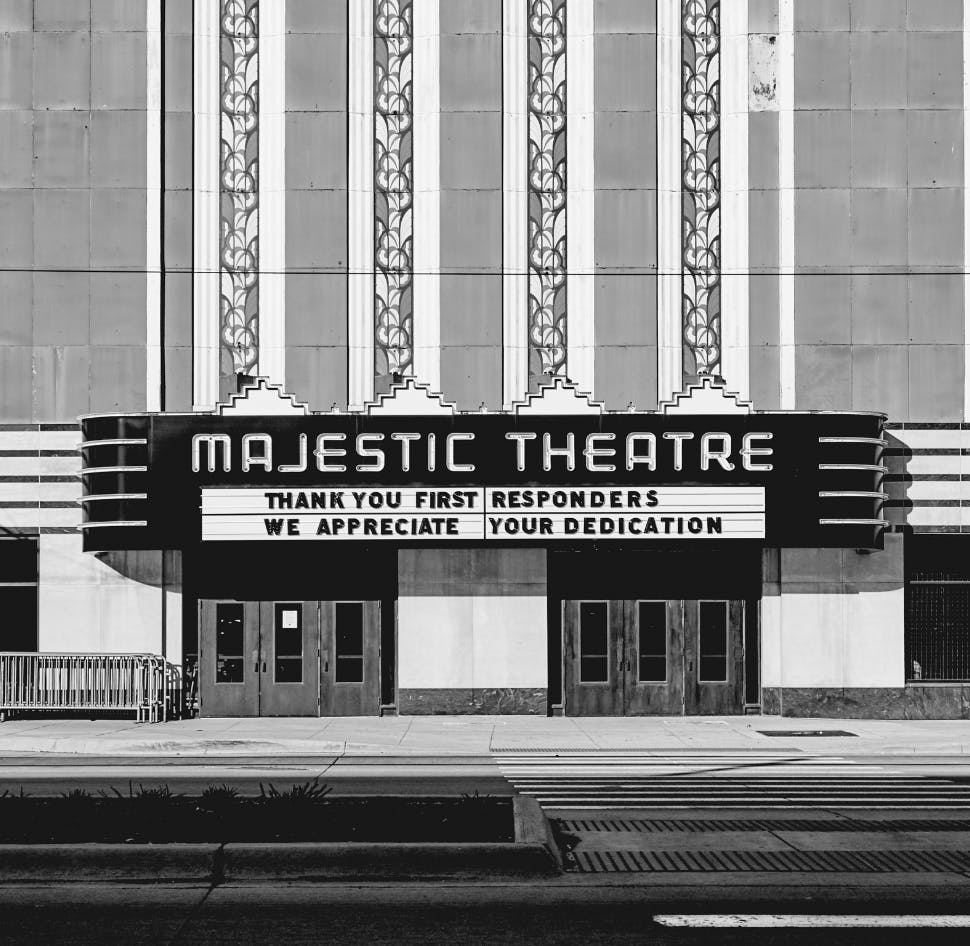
x: 702, y: 187
x: 360, y: 204
x: 734, y: 196
x: 580, y: 194
x: 393, y: 189
x: 272, y: 191
x: 205, y: 205
x: 786, y: 203
x: 669, y: 201
x: 239, y: 192
x: 547, y: 189
x: 966, y: 210
x: 153, y: 205
x: 515, y: 211
x: 427, y: 193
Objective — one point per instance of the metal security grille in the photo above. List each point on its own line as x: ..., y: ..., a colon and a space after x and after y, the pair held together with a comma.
x: 706, y: 825
x: 937, y: 610
x: 825, y: 862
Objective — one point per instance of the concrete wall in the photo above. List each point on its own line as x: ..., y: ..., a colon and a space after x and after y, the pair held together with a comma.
x: 110, y: 603
x: 316, y: 202
x: 833, y: 618
x: 878, y: 211
x: 625, y: 177
x: 878, y: 206
x: 176, y: 241
x: 72, y: 209
x: 471, y: 633
x: 471, y: 203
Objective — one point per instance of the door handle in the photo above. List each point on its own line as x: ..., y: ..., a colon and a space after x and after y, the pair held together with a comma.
x: 628, y: 666
x: 326, y: 666
x: 690, y: 665
x: 264, y: 666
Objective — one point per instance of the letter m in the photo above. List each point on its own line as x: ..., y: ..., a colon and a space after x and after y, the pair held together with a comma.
x: 211, y: 442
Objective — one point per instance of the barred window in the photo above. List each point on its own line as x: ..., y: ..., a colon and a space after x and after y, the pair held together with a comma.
x: 18, y: 593
x: 937, y: 607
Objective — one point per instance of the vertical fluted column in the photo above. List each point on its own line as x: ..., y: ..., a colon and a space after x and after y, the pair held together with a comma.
x: 702, y: 188
x: 393, y: 189
x: 547, y: 189
x: 239, y: 192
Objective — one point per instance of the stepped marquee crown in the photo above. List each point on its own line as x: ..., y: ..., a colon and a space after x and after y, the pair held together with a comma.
x: 557, y: 397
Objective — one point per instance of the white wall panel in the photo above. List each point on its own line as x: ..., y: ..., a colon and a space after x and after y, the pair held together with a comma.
x: 153, y: 205
x: 786, y: 202
x: 360, y: 205
x: 580, y: 195
x: 839, y: 620
x: 272, y: 191
x: 471, y: 641
x: 734, y: 196
x: 205, y: 206
x: 426, y: 138
x: 515, y: 297
x: 434, y: 642
x: 670, y: 212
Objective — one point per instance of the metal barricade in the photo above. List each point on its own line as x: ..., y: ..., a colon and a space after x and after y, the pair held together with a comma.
x: 143, y: 684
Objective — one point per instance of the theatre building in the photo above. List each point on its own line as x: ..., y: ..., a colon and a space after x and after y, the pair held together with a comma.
x: 556, y: 357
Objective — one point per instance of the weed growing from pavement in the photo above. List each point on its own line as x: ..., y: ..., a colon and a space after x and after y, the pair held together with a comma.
x: 300, y: 812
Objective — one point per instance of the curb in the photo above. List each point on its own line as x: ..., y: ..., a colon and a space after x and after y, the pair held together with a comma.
x: 215, y: 864
x: 107, y: 863
x: 533, y: 854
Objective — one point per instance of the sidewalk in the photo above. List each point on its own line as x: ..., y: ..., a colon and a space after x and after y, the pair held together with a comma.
x: 478, y: 736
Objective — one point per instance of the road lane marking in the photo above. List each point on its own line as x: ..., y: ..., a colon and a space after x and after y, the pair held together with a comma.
x: 809, y: 920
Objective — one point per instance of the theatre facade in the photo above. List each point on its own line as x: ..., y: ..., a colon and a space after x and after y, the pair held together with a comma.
x: 556, y: 357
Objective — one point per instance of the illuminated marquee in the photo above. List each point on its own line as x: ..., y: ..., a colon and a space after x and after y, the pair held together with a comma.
x: 563, y: 480
x: 374, y: 452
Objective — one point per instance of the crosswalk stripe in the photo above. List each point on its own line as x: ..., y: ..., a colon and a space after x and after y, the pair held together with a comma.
x: 736, y: 779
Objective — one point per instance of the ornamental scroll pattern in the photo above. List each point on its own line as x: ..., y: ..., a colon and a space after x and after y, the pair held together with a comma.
x: 393, y: 188
x: 547, y: 188
x: 238, y: 188
x: 702, y: 187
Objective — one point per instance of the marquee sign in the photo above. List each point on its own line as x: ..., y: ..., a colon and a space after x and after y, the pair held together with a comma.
x: 558, y: 472
x: 476, y: 514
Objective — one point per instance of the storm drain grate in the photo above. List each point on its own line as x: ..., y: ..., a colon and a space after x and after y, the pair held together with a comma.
x: 805, y: 733
x: 702, y: 826
x: 830, y: 862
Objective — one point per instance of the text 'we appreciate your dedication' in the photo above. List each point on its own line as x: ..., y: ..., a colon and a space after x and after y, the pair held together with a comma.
x: 483, y: 513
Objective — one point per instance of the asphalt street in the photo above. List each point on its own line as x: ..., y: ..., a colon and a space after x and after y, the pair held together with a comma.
x: 621, y: 795
x: 398, y: 915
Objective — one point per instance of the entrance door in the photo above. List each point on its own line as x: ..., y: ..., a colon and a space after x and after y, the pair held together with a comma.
x: 653, y: 657
x: 289, y: 658
x: 594, y: 657
x: 714, y: 654
x: 229, y: 658
x: 259, y: 658
x: 350, y: 658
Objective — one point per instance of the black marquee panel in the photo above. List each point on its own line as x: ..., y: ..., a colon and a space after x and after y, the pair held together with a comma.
x: 140, y: 490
